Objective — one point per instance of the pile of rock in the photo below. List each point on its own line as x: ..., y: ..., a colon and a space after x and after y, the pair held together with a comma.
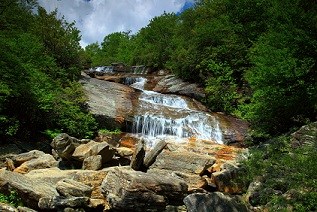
x: 166, y: 178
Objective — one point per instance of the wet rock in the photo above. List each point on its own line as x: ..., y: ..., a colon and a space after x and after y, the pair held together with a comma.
x: 234, y: 130
x: 186, y: 162
x: 72, y: 188
x: 92, y: 149
x: 58, y: 202
x: 216, y: 201
x: 152, y: 155
x: 172, y: 84
x: 138, y: 156
x: 43, y: 161
x: 110, y: 103
x: 92, y: 163
x: 131, y: 190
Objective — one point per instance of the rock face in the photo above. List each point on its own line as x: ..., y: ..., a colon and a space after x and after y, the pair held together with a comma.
x: 111, y: 103
x: 172, y: 84
x: 212, y: 202
x: 129, y: 190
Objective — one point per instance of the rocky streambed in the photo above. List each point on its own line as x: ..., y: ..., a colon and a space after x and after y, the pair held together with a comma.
x: 85, y: 175
x: 125, y: 173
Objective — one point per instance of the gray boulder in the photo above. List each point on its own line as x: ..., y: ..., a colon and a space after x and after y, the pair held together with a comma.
x: 216, y: 202
x: 131, y: 190
x: 30, y: 190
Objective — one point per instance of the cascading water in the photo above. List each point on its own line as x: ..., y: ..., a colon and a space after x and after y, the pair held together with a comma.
x: 170, y: 117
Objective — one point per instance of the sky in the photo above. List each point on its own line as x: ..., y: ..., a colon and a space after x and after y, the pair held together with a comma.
x: 98, y: 18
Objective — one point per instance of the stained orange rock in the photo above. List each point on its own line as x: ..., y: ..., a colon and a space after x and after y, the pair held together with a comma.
x: 129, y: 142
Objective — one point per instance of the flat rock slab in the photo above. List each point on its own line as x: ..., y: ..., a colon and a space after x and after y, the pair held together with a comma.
x: 131, y: 190
x: 186, y: 162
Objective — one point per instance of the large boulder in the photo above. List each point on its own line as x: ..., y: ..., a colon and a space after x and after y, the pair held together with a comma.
x: 111, y: 103
x: 30, y: 190
x: 87, y: 177
x: 42, y: 162
x: 26, y: 156
x: 183, y: 161
x: 64, y: 145
x: 92, y: 149
x: 131, y: 190
x: 218, y: 202
x: 226, y: 179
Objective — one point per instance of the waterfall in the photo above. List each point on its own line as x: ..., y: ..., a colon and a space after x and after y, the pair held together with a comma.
x: 162, y: 116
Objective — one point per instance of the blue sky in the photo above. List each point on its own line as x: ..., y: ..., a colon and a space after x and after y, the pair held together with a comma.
x: 97, y: 18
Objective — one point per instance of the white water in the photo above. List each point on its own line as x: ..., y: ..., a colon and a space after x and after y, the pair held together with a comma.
x: 163, y: 116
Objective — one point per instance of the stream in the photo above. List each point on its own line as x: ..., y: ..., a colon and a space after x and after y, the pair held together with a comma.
x: 170, y: 117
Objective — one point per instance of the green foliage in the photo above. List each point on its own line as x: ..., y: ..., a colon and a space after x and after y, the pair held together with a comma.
x: 220, y: 89
x: 39, y: 60
x: 255, y: 58
x: 12, y: 198
x: 288, y: 175
x: 109, y: 132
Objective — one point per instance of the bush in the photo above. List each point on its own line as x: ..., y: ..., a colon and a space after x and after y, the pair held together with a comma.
x: 12, y: 198
x: 288, y: 175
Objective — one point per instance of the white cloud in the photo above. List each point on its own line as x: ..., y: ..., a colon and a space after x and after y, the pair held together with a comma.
x: 98, y: 18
